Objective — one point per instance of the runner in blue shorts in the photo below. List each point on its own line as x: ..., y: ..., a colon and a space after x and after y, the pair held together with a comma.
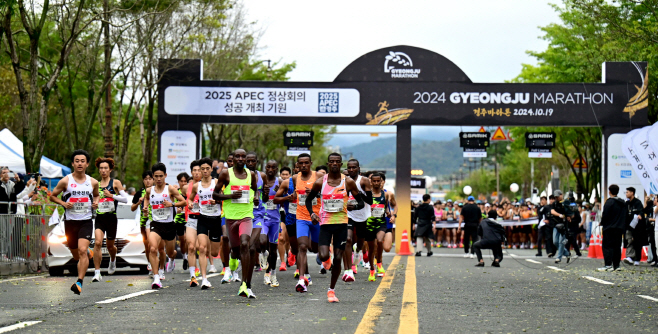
x: 287, y: 197
x: 269, y: 237
x: 259, y: 212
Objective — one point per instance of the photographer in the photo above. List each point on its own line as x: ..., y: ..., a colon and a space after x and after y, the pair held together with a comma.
x: 11, y: 190
x: 559, y: 220
x: 636, y: 228
x: 545, y: 229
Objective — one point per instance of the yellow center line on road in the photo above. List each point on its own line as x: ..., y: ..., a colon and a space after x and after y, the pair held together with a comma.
x: 409, y: 313
x: 367, y: 324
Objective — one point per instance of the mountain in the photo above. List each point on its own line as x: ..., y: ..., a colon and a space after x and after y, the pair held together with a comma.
x: 433, y: 157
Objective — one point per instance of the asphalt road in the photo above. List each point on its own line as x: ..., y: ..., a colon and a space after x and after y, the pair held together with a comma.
x: 440, y: 294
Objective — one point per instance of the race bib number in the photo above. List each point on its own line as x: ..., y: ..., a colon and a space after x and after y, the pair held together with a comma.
x: 270, y: 204
x: 292, y: 208
x: 160, y: 212
x: 244, y: 199
x: 106, y: 205
x: 378, y: 210
x: 209, y: 209
x: 301, y: 194
x: 195, y: 206
x: 81, y: 205
x: 333, y: 202
x: 352, y: 200
x: 516, y: 218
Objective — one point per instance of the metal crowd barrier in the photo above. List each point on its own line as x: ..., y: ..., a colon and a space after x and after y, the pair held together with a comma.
x: 23, y: 239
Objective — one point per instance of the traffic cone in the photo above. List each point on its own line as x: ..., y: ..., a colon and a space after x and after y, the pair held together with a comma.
x: 592, y: 253
x: 645, y: 254
x: 599, y: 248
x: 404, y: 244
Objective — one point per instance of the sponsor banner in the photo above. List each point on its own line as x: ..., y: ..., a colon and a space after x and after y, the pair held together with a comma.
x: 633, y: 156
x: 262, y: 102
x: 177, y: 150
x: 618, y: 168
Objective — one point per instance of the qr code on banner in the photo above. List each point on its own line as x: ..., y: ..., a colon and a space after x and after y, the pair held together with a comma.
x: 328, y: 102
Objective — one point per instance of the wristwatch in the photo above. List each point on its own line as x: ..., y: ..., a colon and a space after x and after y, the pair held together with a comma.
x: 395, y: 215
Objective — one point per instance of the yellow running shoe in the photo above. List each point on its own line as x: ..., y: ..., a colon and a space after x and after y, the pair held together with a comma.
x: 380, y: 270
x: 243, y: 290
x: 297, y: 273
x: 372, y: 278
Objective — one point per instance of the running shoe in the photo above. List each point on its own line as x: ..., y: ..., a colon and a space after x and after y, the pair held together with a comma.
x: 372, y: 278
x: 354, y: 270
x: 351, y: 278
x: 345, y: 275
x: 292, y: 259
x: 266, y: 279
x: 236, y: 277
x: 301, y: 286
x: 148, y: 267
x: 112, y: 267
x: 283, y: 267
x: 197, y: 272
x: 331, y: 296
x: 97, y: 278
x: 366, y: 266
x: 366, y: 259
x: 223, y: 271
x: 193, y: 282
x: 243, y: 290
x: 262, y: 261
x: 156, y: 285
x: 348, y: 276
x: 471, y: 255
x: 606, y: 268
x: 227, y: 276
x: 307, y: 278
x: 275, y: 282
x: 636, y: 263
x: 212, y: 269
x: 250, y: 294
x: 233, y: 264
x: 296, y: 275
x: 380, y: 270
x: 162, y: 274
x: 185, y: 264
x: 171, y: 266
x: 76, y: 288
x: 205, y: 285
x: 327, y: 264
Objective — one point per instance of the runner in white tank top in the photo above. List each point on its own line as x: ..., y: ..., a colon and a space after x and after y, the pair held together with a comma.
x: 357, y: 221
x: 363, y: 214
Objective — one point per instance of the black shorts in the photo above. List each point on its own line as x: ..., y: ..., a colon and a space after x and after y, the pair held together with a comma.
x: 371, y: 231
x: 210, y: 226
x: 77, y: 229
x: 336, y: 231
x: 292, y: 231
x: 389, y: 230
x: 166, y: 231
x: 107, y: 223
x: 359, y: 228
x: 180, y: 229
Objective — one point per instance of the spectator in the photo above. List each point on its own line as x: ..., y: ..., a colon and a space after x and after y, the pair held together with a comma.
x: 560, y: 230
x: 132, y: 191
x: 425, y: 222
x: 636, y: 226
x: 613, y: 223
x: 649, y: 212
x: 545, y: 231
x: 12, y: 190
x: 492, y: 235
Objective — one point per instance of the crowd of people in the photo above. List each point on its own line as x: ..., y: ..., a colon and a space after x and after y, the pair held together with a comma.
x: 232, y: 211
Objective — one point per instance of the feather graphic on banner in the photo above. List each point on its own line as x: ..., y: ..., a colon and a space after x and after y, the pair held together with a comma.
x: 640, y: 100
x: 388, y: 117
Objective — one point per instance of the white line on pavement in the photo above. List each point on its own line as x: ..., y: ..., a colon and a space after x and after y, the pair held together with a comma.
x: 207, y: 276
x: 513, y: 255
x: 18, y: 325
x: 649, y: 298
x: 117, y: 299
x: 533, y: 261
x: 20, y: 279
x: 556, y: 268
x: 597, y: 280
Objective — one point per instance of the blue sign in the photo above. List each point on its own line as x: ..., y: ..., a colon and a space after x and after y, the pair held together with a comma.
x: 626, y: 174
x: 328, y: 103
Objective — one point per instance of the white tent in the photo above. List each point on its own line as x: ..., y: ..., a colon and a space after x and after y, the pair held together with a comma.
x: 11, y: 155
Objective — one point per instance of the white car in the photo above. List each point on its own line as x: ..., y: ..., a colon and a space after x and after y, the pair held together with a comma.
x: 129, y: 243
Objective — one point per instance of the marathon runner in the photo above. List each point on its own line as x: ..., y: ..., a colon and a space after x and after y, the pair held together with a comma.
x: 357, y: 220
x: 239, y: 185
x: 192, y: 214
x: 376, y: 226
x: 390, y: 221
x: 284, y: 240
x: 303, y: 182
x: 287, y: 197
x: 334, y: 188
x: 79, y: 196
x: 144, y: 219
x: 110, y: 191
x: 269, y: 237
x: 259, y: 214
x: 229, y: 275
x: 209, y: 225
x: 159, y: 199
x: 183, y: 179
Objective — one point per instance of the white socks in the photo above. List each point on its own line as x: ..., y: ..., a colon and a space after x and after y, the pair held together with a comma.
x: 185, y: 256
x: 192, y: 271
x: 97, y: 272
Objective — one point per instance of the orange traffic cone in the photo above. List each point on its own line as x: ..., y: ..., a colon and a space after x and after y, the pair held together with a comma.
x: 599, y: 247
x: 645, y: 254
x: 404, y: 244
x: 592, y: 247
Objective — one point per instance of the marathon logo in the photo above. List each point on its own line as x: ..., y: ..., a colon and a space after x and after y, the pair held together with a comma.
x: 477, y: 135
x: 541, y: 135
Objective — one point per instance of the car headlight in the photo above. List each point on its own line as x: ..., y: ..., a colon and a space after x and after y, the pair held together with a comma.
x: 135, y: 237
x: 56, y: 239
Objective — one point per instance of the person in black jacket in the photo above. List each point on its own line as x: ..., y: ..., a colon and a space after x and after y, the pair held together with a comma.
x: 9, y: 189
x: 492, y: 236
x: 545, y: 230
x: 424, y: 219
x: 613, y: 223
x: 636, y: 236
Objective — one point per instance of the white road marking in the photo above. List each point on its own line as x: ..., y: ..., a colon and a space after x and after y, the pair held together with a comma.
x: 556, y: 268
x: 117, y: 299
x: 207, y: 276
x: 648, y: 297
x: 18, y: 326
x: 597, y: 280
x: 513, y: 255
x: 533, y: 261
x: 20, y: 279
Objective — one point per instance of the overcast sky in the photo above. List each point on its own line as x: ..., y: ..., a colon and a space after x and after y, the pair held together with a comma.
x: 487, y: 39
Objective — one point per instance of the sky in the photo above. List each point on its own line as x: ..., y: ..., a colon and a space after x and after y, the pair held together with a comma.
x: 487, y: 39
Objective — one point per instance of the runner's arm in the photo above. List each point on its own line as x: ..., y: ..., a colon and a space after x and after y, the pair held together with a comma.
x: 254, y: 187
x: 122, y: 196
x: 218, y: 194
x: 394, y: 204
x: 145, y: 207
x: 283, y: 189
x: 173, y: 192
x: 350, y: 185
x: 95, y: 194
x: 61, y: 186
x: 136, y: 202
x: 315, y: 190
x: 367, y: 187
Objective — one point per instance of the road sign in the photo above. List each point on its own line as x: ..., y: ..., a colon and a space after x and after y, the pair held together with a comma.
x: 298, y: 138
x: 474, y: 144
x: 540, y: 144
x: 499, y: 135
x: 482, y: 129
x: 580, y: 163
